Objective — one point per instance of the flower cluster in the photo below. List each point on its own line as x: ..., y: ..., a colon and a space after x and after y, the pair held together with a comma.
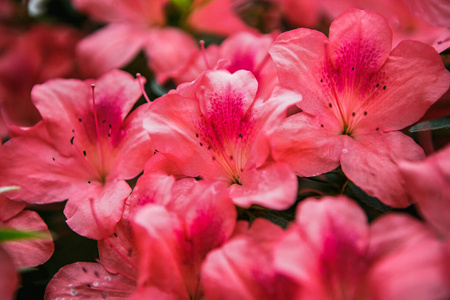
x: 274, y: 162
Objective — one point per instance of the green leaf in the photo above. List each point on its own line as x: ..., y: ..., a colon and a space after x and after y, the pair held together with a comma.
x: 8, y: 234
x: 5, y: 189
x: 372, y: 202
x: 440, y: 123
x: 182, y: 5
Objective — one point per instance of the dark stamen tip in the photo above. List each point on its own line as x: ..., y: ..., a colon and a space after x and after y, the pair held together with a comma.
x: 84, y: 152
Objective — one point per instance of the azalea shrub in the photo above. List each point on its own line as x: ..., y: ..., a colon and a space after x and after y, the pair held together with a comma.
x: 225, y: 149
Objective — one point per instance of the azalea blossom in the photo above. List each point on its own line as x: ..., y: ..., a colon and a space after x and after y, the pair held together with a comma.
x: 176, y: 224
x: 85, y: 148
x: 139, y: 25
x: 222, y: 129
x: 332, y: 253
x: 241, y: 51
x: 174, y: 239
x: 357, y: 94
x: 247, y: 263
x: 114, y: 276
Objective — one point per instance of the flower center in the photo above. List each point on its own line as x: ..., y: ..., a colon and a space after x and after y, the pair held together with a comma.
x: 226, y: 133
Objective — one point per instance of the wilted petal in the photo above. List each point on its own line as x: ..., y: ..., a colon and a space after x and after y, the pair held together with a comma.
x: 83, y: 280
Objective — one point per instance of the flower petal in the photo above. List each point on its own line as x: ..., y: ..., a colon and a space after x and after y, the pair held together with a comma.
x: 109, y: 48
x: 371, y: 162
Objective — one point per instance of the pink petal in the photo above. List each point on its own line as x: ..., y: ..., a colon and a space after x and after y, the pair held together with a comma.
x: 360, y: 38
x: 170, y: 125
x: 274, y: 186
x: 139, y: 11
x: 325, y: 251
x: 30, y: 252
x: 109, y: 48
x: 428, y: 183
x: 28, y: 162
x: 414, y: 73
x: 152, y: 293
x: 435, y: 12
x: 371, y: 162
x: 216, y: 17
x: 9, y: 208
x: 159, y: 163
x: 177, y: 243
x: 157, y: 241
x: 246, y: 262
x: 118, y: 253
x: 152, y: 187
x: 64, y: 102
x: 408, y: 261
x: 9, y: 281
x: 307, y: 146
x: 98, y: 221
x: 298, y: 55
x: 221, y: 87
x: 135, y: 148
x: 84, y: 280
x: 442, y: 42
x: 164, y: 54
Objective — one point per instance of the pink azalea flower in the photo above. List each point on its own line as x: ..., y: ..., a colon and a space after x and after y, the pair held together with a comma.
x: 333, y: 253
x: 113, y: 277
x: 135, y: 26
x: 29, y: 252
x: 428, y: 182
x: 174, y: 239
x: 222, y: 129
x: 243, y: 268
x: 29, y: 58
x: 241, y: 51
x: 83, y: 149
x: 159, y: 258
x: 405, y: 22
x: 357, y: 94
